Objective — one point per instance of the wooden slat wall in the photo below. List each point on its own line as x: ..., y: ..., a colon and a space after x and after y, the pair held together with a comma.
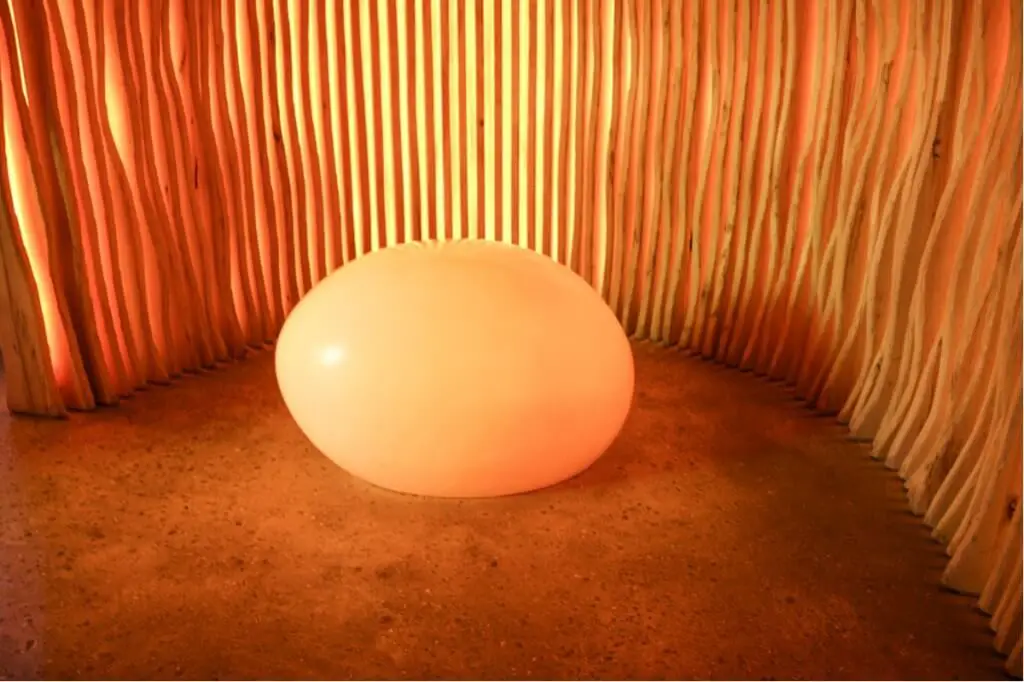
x: 827, y: 193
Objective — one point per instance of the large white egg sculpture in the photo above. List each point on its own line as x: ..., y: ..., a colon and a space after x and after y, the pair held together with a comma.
x: 456, y: 369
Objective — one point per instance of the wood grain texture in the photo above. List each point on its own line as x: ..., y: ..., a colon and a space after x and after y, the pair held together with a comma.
x: 827, y: 194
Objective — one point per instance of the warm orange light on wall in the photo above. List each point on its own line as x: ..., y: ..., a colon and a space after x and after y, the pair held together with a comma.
x: 828, y: 193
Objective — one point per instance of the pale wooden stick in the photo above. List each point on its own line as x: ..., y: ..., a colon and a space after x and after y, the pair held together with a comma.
x: 546, y: 225
x: 560, y: 252
x: 480, y: 127
x: 647, y: 207
x: 103, y: 366
x: 680, y: 250
x: 52, y: 237
x: 125, y: 332
x: 431, y: 100
x: 706, y: 226
x: 269, y: 249
x: 195, y: 207
x: 736, y: 58
x: 632, y: 225
x: 622, y: 110
x: 515, y: 159
x: 325, y: 121
x: 236, y: 129
x: 276, y: 139
x: 415, y: 222
x: 190, y: 308
x: 343, y: 138
x: 581, y: 226
x: 161, y: 274
x: 28, y: 370
x: 449, y: 95
x: 749, y: 177
x: 528, y: 236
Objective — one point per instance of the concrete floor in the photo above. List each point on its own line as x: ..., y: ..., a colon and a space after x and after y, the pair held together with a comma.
x: 193, y: 533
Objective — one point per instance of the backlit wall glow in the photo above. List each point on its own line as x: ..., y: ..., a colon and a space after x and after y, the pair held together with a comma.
x: 828, y: 193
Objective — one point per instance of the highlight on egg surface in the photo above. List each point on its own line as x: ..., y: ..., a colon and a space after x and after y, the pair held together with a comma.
x: 456, y: 369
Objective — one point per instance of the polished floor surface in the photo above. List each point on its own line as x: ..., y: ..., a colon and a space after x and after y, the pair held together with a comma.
x: 194, y: 533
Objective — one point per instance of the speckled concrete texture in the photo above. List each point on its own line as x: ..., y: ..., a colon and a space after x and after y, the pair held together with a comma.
x: 729, y: 533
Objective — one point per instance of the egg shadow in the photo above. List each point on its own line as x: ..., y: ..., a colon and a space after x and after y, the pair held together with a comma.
x: 621, y: 461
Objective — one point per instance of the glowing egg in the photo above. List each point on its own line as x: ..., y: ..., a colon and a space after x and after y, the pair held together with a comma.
x: 456, y: 369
